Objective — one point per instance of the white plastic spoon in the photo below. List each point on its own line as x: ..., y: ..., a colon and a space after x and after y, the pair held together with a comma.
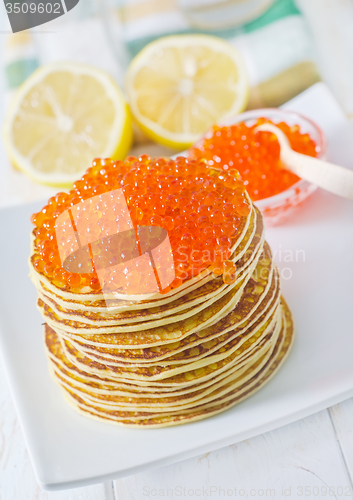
x: 333, y: 178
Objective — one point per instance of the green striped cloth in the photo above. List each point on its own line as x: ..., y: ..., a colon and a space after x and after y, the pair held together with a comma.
x: 276, y: 45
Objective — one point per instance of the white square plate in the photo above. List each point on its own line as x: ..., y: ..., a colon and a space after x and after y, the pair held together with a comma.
x: 314, y: 250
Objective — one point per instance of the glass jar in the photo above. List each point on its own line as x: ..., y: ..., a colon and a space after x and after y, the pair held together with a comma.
x: 278, y: 207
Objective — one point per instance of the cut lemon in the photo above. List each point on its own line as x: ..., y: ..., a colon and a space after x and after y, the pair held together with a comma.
x: 178, y: 86
x: 63, y: 116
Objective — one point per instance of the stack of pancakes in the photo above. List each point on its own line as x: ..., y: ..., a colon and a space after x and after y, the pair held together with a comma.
x: 174, y: 358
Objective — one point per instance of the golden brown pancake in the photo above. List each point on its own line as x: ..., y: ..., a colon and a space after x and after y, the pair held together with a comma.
x: 252, y: 381
x: 174, y: 358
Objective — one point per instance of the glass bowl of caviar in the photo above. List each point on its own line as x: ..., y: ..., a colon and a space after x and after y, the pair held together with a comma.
x: 234, y: 144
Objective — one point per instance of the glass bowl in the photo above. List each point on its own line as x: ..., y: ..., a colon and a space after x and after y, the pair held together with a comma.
x: 278, y: 207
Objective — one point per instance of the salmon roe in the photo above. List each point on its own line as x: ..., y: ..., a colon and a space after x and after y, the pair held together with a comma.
x: 202, y: 209
x: 254, y: 154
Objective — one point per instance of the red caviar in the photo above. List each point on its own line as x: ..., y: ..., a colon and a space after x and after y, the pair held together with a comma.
x: 254, y: 154
x: 201, y: 208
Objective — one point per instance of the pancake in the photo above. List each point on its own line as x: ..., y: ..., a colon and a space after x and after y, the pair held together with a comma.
x: 158, y: 372
x: 146, y: 334
x: 173, y: 358
x: 173, y: 400
x: 193, y: 301
x: 68, y: 371
x: 202, y: 291
x: 259, y: 294
x: 175, y: 403
x: 237, y: 394
x: 239, y: 248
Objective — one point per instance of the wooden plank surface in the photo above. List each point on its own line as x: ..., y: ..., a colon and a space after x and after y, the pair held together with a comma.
x: 299, y: 460
x: 342, y: 419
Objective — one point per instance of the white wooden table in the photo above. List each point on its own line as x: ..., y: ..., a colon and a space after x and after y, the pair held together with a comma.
x: 311, y: 458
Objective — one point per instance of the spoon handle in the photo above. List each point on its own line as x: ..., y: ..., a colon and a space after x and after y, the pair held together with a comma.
x: 333, y: 178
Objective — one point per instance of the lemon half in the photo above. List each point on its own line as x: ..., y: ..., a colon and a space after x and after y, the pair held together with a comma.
x: 63, y: 116
x: 178, y: 86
